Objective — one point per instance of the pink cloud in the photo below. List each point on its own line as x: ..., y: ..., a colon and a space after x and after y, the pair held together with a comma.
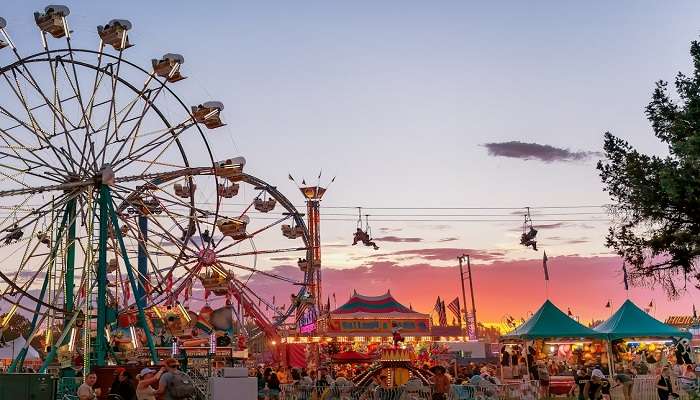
x: 397, y: 239
x: 501, y: 287
x: 446, y: 254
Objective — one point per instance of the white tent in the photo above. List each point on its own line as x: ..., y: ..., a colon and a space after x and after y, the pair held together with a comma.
x: 12, y: 349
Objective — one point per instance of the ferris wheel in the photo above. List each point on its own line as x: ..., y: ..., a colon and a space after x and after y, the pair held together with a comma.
x: 112, y: 200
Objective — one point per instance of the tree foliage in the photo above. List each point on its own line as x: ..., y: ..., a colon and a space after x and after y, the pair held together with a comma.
x: 656, y: 198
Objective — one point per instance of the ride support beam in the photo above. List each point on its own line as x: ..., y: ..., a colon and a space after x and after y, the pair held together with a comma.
x: 70, y: 260
x: 100, y: 338
x: 19, y: 360
x: 130, y: 273
x: 54, y: 348
x: 142, y: 261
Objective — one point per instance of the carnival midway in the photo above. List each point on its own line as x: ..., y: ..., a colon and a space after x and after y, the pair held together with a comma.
x: 116, y: 215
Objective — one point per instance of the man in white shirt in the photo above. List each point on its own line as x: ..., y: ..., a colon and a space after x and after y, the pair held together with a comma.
x: 85, y: 391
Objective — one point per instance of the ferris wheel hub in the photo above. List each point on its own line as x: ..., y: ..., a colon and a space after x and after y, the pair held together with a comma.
x: 207, y: 257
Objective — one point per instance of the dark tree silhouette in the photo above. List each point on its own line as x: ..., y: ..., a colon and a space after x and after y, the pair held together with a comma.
x: 656, y: 208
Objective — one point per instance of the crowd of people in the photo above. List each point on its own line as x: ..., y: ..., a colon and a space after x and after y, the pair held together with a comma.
x: 166, y: 383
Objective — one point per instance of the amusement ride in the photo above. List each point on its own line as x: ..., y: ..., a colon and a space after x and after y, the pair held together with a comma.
x: 115, y: 216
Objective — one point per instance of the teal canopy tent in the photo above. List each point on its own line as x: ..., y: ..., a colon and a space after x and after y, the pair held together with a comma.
x: 550, y: 322
x: 629, y: 321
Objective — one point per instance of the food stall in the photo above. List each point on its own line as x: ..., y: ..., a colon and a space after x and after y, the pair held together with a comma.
x: 551, y: 337
x: 636, y: 337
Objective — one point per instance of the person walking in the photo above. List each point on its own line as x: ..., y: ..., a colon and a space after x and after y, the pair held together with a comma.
x: 664, y: 387
x: 441, y: 383
x: 173, y: 383
x: 146, y: 379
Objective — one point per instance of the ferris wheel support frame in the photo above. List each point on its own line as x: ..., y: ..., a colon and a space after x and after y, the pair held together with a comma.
x: 106, y: 202
x: 69, y: 278
x: 142, y: 261
x: 18, y: 362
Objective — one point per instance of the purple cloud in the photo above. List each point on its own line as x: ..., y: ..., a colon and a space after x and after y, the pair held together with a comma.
x: 535, y: 151
x: 396, y: 239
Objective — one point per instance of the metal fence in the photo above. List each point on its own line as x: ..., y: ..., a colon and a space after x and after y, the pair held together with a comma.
x: 67, y: 388
x: 644, y: 388
x: 485, y: 391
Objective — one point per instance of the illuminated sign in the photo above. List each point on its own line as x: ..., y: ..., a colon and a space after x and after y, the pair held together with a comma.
x: 307, y: 322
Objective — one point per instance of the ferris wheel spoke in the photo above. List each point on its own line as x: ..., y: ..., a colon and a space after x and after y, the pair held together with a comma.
x: 113, y: 102
x: 41, y: 138
x: 260, y: 252
x: 169, y: 213
x: 17, y: 91
x: 59, y: 106
x: 239, y: 216
x: 260, y: 272
x: 29, y: 78
x: 148, y: 103
x: 252, y: 234
x: 75, y: 87
x: 168, y: 138
x: 27, y: 171
x: 126, y: 110
x: 34, y: 216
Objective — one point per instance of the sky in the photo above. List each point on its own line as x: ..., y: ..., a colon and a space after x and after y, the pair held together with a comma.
x: 427, y: 104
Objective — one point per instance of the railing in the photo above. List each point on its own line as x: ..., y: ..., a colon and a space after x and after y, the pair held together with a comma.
x: 201, y: 383
x: 67, y: 388
x: 644, y: 388
x: 484, y: 391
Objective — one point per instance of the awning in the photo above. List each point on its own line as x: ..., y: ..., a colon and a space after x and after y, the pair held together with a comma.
x: 629, y: 321
x: 549, y: 322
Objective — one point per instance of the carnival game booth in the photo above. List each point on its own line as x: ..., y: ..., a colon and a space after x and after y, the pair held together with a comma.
x: 550, y: 337
x: 637, y: 337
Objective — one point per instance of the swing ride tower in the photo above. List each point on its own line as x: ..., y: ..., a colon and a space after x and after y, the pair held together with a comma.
x: 313, y: 196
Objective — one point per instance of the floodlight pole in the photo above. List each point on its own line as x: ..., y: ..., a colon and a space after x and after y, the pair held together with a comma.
x: 473, y: 334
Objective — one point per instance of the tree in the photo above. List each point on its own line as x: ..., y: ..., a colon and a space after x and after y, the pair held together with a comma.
x: 656, y: 210
x: 18, y: 325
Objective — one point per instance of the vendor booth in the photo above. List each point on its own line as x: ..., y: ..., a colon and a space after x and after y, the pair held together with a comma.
x: 638, y: 338
x: 552, y: 340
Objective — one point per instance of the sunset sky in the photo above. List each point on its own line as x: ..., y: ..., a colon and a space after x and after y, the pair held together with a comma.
x: 484, y: 108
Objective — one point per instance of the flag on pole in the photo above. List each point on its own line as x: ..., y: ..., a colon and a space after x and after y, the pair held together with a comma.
x: 624, y: 276
x: 569, y: 313
x: 651, y: 304
x: 454, y: 307
x: 608, y: 305
x: 544, y: 266
x: 443, y: 314
x: 695, y: 313
x: 437, y: 305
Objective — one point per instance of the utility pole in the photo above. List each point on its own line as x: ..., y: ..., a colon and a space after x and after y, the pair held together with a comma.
x: 473, y: 328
